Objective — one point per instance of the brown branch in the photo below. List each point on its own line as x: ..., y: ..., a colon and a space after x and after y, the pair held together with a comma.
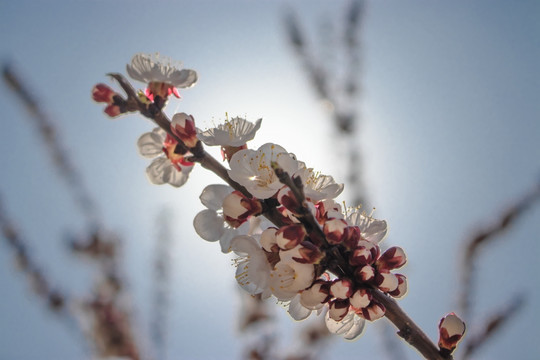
x: 408, y: 330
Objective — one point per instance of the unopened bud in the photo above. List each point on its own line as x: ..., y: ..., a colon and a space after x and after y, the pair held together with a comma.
x: 316, y: 295
x: 342, y: 288
x: 386, y: 281
x: 237, y: 208
x: 183, y: 126
x: 451, y: 330
x: 334, y: 230
x: 287, y: 237
x: 402, y: 287
x: 286, y: 198
x: 352, y: 236
x: 113, y: 110
x: 103, y: 93
x: 366, y: 252
x: 338, y: 309
x: 328, y: 209
x: 373, y: 312
x: 393, y: 258
x: 309, y: 253
x: 365, y: 274
x: 360, y: 299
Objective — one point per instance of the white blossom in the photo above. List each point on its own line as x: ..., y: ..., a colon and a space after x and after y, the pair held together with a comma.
x: 167, y: 166
x: 236, y: 132
x: 253, y: 270
x: 350, y: 327
x: 153, y: 68
x: 371, y: 229
x: 253, y: 170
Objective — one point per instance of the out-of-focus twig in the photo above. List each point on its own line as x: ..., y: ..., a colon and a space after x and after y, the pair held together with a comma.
x: 340, y: 94
x: 49, y: 135
x: 473, y: 246
x: 55, y: 299
x: 485, y: 237
x: 161, y: 283
x: 104, y: 316
x: 492, y: 325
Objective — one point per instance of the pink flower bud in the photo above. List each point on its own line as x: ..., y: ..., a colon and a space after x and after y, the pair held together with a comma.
x: 402, y: 287
x: 373, y: 312
x: 103, y: 93
x: 338, y: 309
x: 183, y: 126
x: 365, y: 253
x: 360, y: 299
x: 352, y: 236
x: 365, y: 274
x: 327, y: 209
x: 334, y: 230
x: 237, y: 208
x: 310, y: 254
x: 316, y: 295
x: 393, y: 258
x: 342, y: 288
x: 287, y: 237
x: 386, y: 281
x: 288, y: 200
x: 113, y: 110
x: 451, y: 330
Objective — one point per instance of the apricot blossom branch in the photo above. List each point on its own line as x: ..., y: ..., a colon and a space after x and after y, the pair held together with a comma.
x: 293, y: 241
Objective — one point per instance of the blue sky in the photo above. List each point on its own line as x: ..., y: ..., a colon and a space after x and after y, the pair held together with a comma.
x: 450, y: 138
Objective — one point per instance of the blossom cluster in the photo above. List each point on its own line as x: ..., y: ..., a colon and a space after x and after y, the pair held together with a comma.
x: 332, y: 266
x: 292, y: 239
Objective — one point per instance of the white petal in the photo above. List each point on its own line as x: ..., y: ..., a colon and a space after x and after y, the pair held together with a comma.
x: 150, y: 144
x: 209, y: 225
x: 226, y: 238
x: 236, y: 132
x: 244, y: 244
x: 184, y: 78
x: 212, y: 196
x: 148, y: 68
x: 339, y: 327
x: 296, y: 310
x: 371, y: 229
x: 156, y: 170
x: 356, y: 329
x: 177, y: 178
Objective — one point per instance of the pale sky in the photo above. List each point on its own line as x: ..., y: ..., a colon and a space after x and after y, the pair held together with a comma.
x: 450, y: 138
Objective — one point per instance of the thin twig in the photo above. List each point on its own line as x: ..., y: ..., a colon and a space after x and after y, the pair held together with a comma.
x: 506, y: 220
x: 492, y: 326
x: 58, y: 154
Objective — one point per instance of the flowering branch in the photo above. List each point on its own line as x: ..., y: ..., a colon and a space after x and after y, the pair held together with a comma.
x: 408, y: 330
x: 319, y: 257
